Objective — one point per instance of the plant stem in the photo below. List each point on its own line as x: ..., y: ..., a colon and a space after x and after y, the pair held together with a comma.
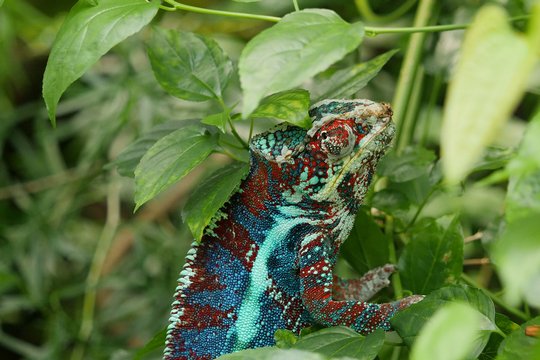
x: 408, y: 70
x: 370, y: 30
x: 195, y: 9
x: 296, y: 7
x: 497, y: 300
x: 396, y: 279
x: 94, y: 274
x: 365, y: 10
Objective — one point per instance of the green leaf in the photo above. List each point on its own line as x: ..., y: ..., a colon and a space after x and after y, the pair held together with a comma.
x: 451, y: 334
x: 189, y: 66
x: 490, y: 78
x: 524, y: 184
x: 519, y: 346
x: 210, y: 196
x: 410, y: 321
x: 155, y: 343
x: 411, y: 164
x: 365, y: 248
x: 347, y: 82
x: 390, y: 200
x: 87, y: 33
x: 517, y: 256
x: 272, y: 353
x: 129, y: 158
x: 339, y: 342
x: 218, y: 120
x: 285, y: 339
x: 170, y: 159
x: 302, y: 44
x: 290, y: 106
x: 434, y: 256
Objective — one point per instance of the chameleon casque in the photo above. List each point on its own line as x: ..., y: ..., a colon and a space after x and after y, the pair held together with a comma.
x: 266, y: 260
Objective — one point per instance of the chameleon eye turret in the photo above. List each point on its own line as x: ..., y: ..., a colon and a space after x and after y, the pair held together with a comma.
x: 265, y: 262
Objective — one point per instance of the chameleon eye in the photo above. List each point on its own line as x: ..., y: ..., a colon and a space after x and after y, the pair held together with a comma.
x: 337, y: 142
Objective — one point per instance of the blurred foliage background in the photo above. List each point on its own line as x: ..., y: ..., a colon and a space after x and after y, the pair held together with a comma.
x: 81, y: 276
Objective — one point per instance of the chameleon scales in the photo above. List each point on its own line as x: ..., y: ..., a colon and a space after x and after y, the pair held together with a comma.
x: 266, y: 260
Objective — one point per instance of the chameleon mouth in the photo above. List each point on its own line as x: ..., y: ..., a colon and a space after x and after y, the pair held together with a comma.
x: 383, y: 133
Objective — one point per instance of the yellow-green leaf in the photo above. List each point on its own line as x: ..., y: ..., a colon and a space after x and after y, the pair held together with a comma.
x: 490, y: 78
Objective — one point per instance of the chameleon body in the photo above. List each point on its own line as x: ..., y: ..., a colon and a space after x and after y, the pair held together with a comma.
x: 265, y: 262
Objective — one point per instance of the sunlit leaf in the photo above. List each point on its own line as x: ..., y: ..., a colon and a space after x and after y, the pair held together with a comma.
x: 490, y: 78
x: 290, y: 106
x: 88, y: 32
x: 170, y: 159
x: 302, y: 44
x: 451, y: 334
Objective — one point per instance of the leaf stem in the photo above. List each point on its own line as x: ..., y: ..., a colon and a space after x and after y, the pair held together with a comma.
x: 392, y: 257
x: 408, y: 72
x: 195, y: 9
x: 365, y: 10
x: 370, y: 30
x: 497, y: 300
x: 96, y: 267
x: 296, y: 7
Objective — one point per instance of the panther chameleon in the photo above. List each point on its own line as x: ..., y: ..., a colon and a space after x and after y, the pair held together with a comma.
x: 265, y: 262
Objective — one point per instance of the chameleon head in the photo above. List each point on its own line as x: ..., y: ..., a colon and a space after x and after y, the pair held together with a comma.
x: 334, y: 160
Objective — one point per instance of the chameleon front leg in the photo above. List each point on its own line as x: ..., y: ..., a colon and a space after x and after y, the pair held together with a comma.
x: 364, y: 288
x: 316, y: 260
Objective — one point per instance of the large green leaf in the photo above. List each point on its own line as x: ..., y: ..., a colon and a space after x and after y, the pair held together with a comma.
x: 366, y: 247
x: 490, y: 78
x: 272, y: 353
x: 170, y: 159
x: 210, y: 196
x: 346, y: 82
x: 290, y: 106
x: 129, y: 158
x: 517, y: 256
x: 88, y: 32
x: 519, y: 346
x: 189, y: 66
x: 434, y: 256
x: 453, y: 333
x: 410, y: 321
x: 302, y: 44
x: 339, y: 342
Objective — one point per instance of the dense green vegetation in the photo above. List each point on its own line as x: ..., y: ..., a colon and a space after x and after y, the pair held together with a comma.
x: 151, y: 106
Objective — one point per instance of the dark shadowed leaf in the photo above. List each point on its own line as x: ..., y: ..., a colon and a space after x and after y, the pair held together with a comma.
x: 189, y: 66
x: 290, y: 106
x: 366, y: 247
x: 302, y: 44
x: 434, y: 256
x: 411, y: 164
x: 157, y: 342
x: 89, y: 31
x: 210, y: 196
x: 170, y: 159
x: 346, y: 82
